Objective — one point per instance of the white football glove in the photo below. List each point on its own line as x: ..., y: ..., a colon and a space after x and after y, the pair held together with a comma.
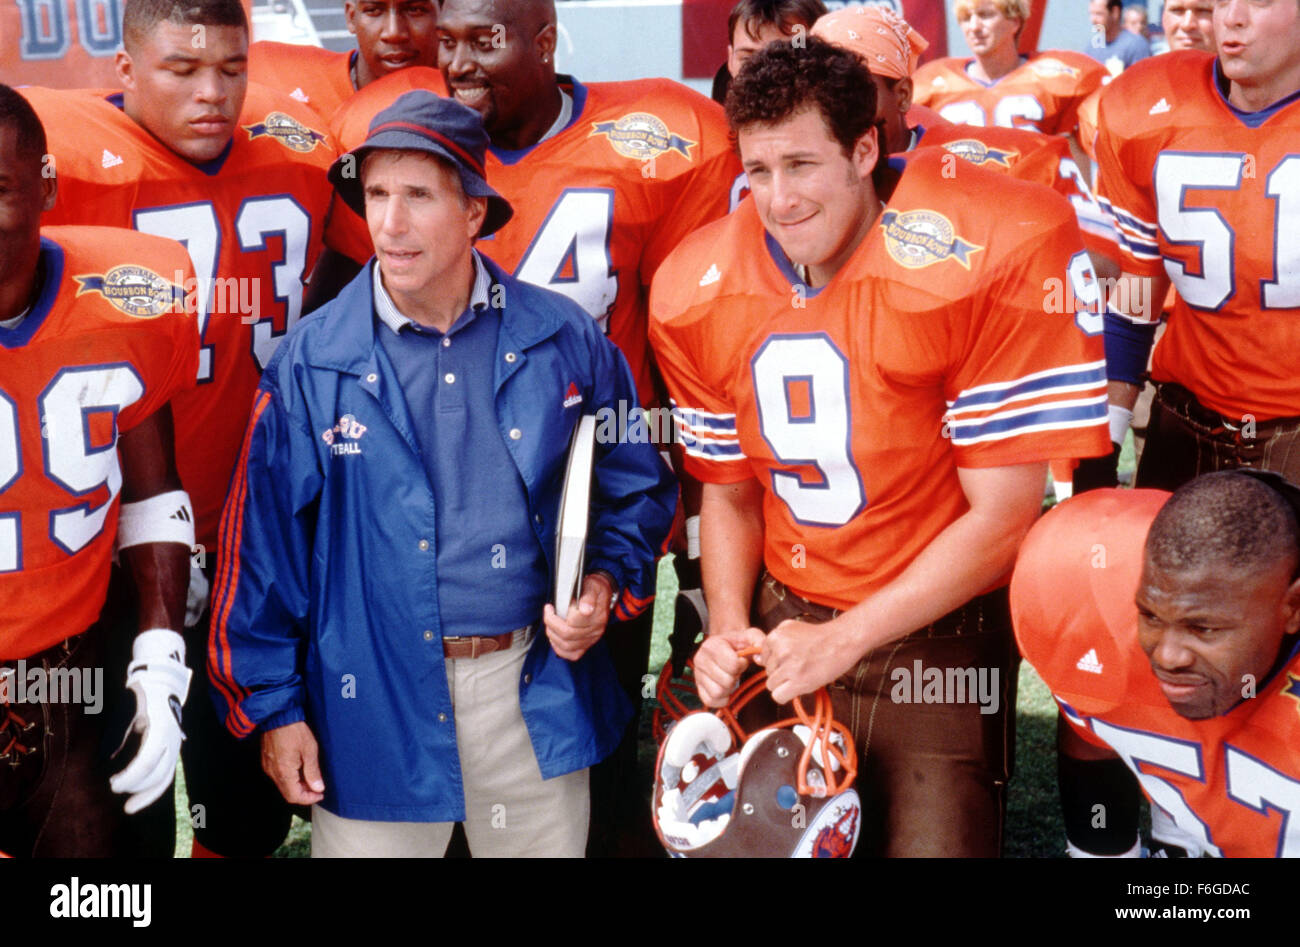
x: 160, y: 681
x: 196, y: 602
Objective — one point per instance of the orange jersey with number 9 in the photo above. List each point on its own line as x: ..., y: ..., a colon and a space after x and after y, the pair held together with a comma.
x: 854, y: 404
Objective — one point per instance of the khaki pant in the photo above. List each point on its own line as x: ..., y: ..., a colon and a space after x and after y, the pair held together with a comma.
x: 510, y: 810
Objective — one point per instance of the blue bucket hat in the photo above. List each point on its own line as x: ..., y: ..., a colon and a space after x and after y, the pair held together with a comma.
x: 422, y: 121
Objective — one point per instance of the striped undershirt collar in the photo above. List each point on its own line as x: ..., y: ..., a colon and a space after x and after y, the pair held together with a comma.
x: 389, y: 314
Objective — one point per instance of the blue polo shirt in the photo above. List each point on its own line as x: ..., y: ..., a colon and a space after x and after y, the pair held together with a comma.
x: 492, y: 574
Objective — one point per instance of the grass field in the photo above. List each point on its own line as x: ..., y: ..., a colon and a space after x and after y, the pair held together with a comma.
x: 1034, y: 827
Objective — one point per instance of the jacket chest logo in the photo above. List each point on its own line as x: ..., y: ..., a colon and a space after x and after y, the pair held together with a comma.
x: 344, y: 437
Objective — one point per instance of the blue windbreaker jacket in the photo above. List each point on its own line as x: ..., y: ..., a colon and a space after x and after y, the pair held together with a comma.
x: 325, y: 602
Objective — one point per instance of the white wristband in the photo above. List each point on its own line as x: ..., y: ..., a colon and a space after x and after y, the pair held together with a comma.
x: 165, y: 518
x: 692, y: 537
x: 156, y: 644
x: 1120, y: 418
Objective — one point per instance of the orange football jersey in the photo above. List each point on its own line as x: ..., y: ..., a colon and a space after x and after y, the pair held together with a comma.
x: 1229, y: 783
x: 1087, y: 116
x: 1042, y: 94
x: 252, y: 221
x: 348, y: 126
x: 318, y: 78
x: 1030, y: 156
x: 105, y: 346
x: 854, y: 404
x: 600, y: 204
x: 1211, y: 195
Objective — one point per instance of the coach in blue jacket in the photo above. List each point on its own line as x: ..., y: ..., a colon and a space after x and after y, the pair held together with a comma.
x: 387, y: 548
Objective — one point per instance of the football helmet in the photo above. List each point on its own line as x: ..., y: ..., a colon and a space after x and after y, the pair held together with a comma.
x: 786, y: 790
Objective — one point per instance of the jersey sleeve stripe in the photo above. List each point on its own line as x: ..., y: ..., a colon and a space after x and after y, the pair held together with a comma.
x: 714, y: 451
x: 1050, y: 418
x: 1140, y: 250
x: 1124, y: 219
x: 705, y: 421
x: 1053, y: 381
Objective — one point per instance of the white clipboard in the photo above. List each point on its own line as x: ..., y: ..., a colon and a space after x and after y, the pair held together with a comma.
x: 575, y: 509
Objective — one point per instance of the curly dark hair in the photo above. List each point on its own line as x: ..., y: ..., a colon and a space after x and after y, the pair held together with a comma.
x: 782, y: 79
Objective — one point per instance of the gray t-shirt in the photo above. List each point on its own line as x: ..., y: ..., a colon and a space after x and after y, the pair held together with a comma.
x: 1127, y: 49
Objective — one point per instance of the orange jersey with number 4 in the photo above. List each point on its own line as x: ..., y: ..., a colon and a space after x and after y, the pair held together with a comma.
x: 598, y: 206
x: 1231, y: 784
x: 105, y: 346
x: 854, y: 404
x: 1211, y: 195
x: 252, y: 221
x: 1041, y: 94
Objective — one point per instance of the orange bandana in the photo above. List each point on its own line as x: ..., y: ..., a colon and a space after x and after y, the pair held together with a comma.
x: 878, y: 35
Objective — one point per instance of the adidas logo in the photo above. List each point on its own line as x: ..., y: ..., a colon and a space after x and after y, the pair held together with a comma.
x: 110, y: 160
x: 1089, y: 662
x: 300, y: 95
x: 712, y: 275
x: 1160, y: 107
x: 572, y: 396
x: 182, y: 514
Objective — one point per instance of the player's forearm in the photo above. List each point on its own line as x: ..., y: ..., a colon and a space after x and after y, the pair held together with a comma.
x: 965, y: 559
x: 1141, y: 298
x: 160, y: 574
x: 731, y: 546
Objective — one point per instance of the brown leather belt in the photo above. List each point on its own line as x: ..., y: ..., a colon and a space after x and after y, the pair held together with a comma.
x: 1181, y: 401
x: 471, y: 646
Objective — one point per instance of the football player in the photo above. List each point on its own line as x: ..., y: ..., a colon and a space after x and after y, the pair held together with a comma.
x: 999, y: 86
x: 391, y: 35
x: 190, y: 150
x: 869, y: 394
x: 93, y: 345
x: 753, y: 24
x: 1194, y: 686
x: 1196, y: 165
